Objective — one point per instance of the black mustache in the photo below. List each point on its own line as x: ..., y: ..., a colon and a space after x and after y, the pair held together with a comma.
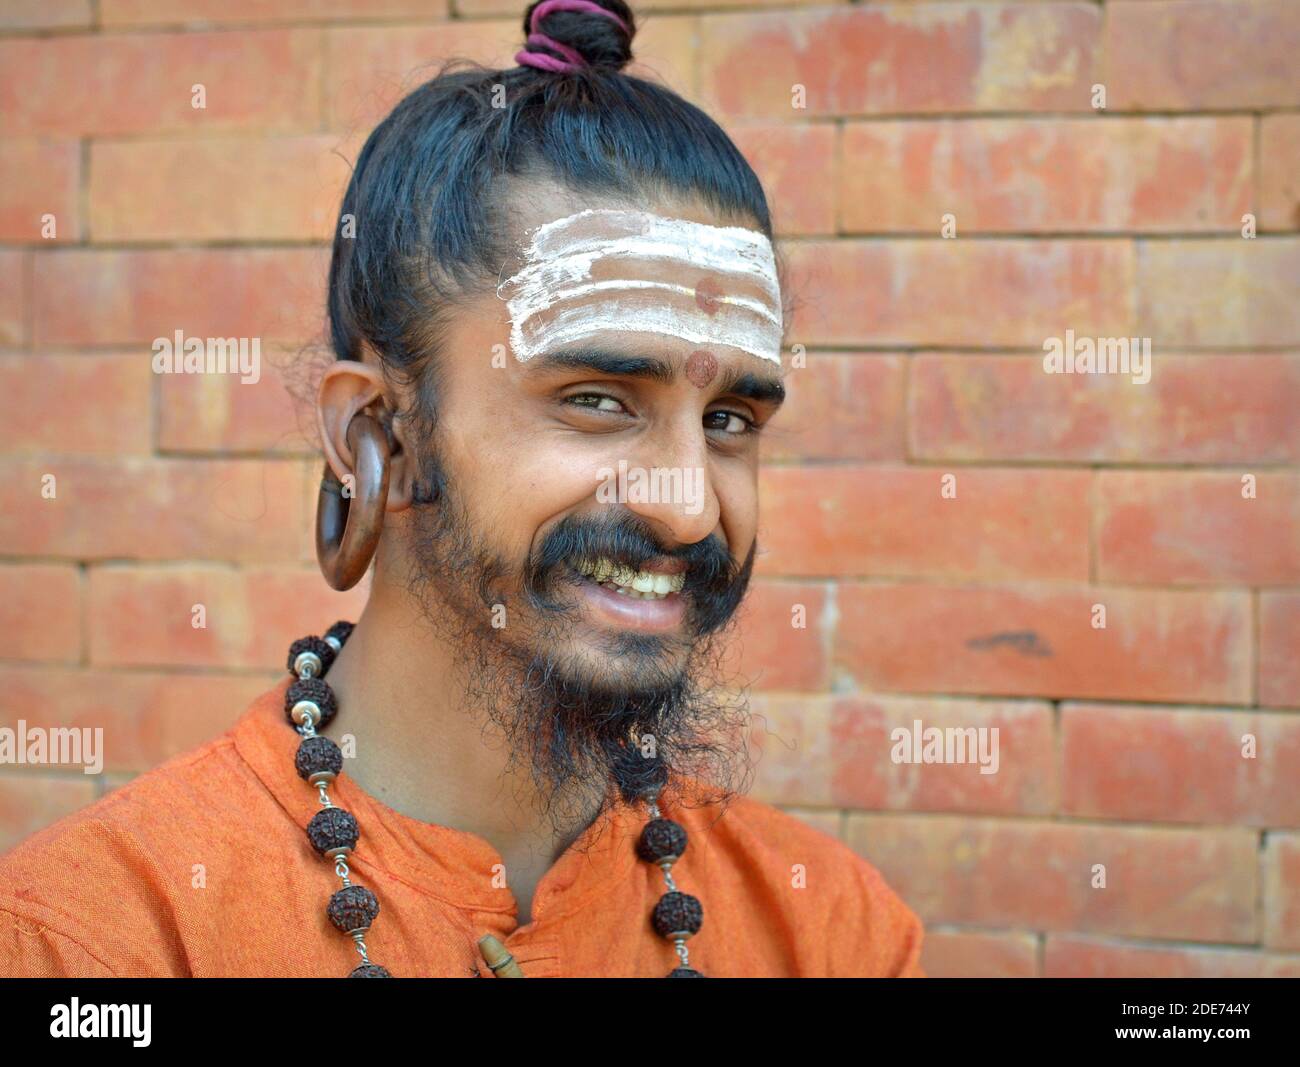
x: 627, y: 540
x: 713, y: 580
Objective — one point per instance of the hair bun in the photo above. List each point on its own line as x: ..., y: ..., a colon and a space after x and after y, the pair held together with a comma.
x: 567, y: 35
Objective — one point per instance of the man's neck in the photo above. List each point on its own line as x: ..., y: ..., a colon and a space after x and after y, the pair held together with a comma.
x: 420, y: 751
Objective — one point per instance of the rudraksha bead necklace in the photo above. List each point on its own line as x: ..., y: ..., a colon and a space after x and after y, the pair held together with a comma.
x: 310, y: 704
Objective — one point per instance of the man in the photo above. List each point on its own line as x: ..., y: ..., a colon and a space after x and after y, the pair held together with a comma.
x: 543, y: 426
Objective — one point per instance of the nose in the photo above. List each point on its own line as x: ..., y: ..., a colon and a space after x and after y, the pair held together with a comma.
x: 670, y: 485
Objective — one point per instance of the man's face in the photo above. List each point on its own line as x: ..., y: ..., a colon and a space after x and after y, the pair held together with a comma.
x: 598, y: 429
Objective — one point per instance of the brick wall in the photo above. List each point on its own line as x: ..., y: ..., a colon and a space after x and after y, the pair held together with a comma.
x: 1120, y: 745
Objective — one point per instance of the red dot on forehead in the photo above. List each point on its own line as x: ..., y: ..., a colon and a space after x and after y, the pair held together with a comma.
x: 708, y: 295
x: 701, y: 368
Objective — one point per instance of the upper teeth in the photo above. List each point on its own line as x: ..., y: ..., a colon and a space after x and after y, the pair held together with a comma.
x: 628, y: 581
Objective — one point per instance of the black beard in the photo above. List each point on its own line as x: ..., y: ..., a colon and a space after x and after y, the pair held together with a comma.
x: 586, y: 741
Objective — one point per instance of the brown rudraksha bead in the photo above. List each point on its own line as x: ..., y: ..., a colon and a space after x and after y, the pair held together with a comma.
x: 353, y: 907
x: 316, y: 690
x: 677, y: 915
x: 311, y: 644
x: 369, y: 970
x: 318, y: 755
x: 662, y: 841
x: 333, y: 830
x: 340, y: 631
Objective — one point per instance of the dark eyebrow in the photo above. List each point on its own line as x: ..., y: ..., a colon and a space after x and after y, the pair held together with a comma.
x: 750, y: 386
x: 733, y: 382
x: 606, y: 362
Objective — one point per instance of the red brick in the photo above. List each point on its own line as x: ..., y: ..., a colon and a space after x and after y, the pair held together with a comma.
x: 1148, y: 764
x: 1193, y: 647
x: 1183, y: 55
x: 667, y: 49
x: 1194, y: 409
x: 768, y: 651
x: 147, y: 717
x: 123, y: 297
x: 281, y: 189
x: 141, y: 83
x: 790, y: 743
x: 938, y: 292
x: 1084, y: 957
x: 39, y: 177
x: 1195, y: 528
x: 40, y: 611
x: 1281, y: 867
x: 840, y: 407
x: 902, y: 58
x: 245, y: 12
x: 373, y: 67
x: 31, y: 802
x: 799, y: 169
x: 1035, y: 175
x: 219, y: 413
x: 15, y: 296
x: 143, y: 616
x: 841, y: 521
x: 1279, y: 638
x: 865, y: 774
x: 1211, y: 293
x: 974, y: 954
x: 1195, y: 885
x: 153, y: 509
x: 45, y: 14
x: 478, y: 8
x: 1279, y: 172
x: 62, y: 404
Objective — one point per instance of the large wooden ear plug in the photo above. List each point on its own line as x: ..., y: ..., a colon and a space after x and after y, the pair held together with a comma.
x: 347, y: 530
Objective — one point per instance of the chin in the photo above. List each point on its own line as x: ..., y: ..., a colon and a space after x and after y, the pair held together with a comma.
x: 617, y: 662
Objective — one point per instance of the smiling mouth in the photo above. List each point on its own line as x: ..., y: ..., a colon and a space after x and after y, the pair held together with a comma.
x: 639, y: 585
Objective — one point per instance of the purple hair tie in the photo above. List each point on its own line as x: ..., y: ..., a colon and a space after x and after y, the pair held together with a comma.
x: 573, y: 60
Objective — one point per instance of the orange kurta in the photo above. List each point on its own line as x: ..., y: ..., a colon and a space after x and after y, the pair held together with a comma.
x: 202, y: 868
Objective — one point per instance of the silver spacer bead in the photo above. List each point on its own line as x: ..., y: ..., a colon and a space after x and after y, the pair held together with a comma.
x: 334, y: 643
x: 306, y: 710
x: 307, y: 665
x: 321, y: 778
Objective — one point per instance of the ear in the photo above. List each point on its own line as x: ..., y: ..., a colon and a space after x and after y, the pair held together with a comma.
x: 347, y: 387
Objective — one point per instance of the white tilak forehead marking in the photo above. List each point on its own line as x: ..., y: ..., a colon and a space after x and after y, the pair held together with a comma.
x: 557, y: 268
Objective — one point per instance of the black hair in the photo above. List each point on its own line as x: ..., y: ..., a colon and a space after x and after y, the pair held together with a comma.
x: 425, y: 198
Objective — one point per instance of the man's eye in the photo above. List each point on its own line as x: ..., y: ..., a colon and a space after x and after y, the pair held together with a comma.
x: 596, y: 401
x: 727, y: 422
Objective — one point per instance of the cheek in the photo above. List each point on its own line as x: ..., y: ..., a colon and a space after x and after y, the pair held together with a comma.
x: 517, y: 482
x: 736, y: 486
